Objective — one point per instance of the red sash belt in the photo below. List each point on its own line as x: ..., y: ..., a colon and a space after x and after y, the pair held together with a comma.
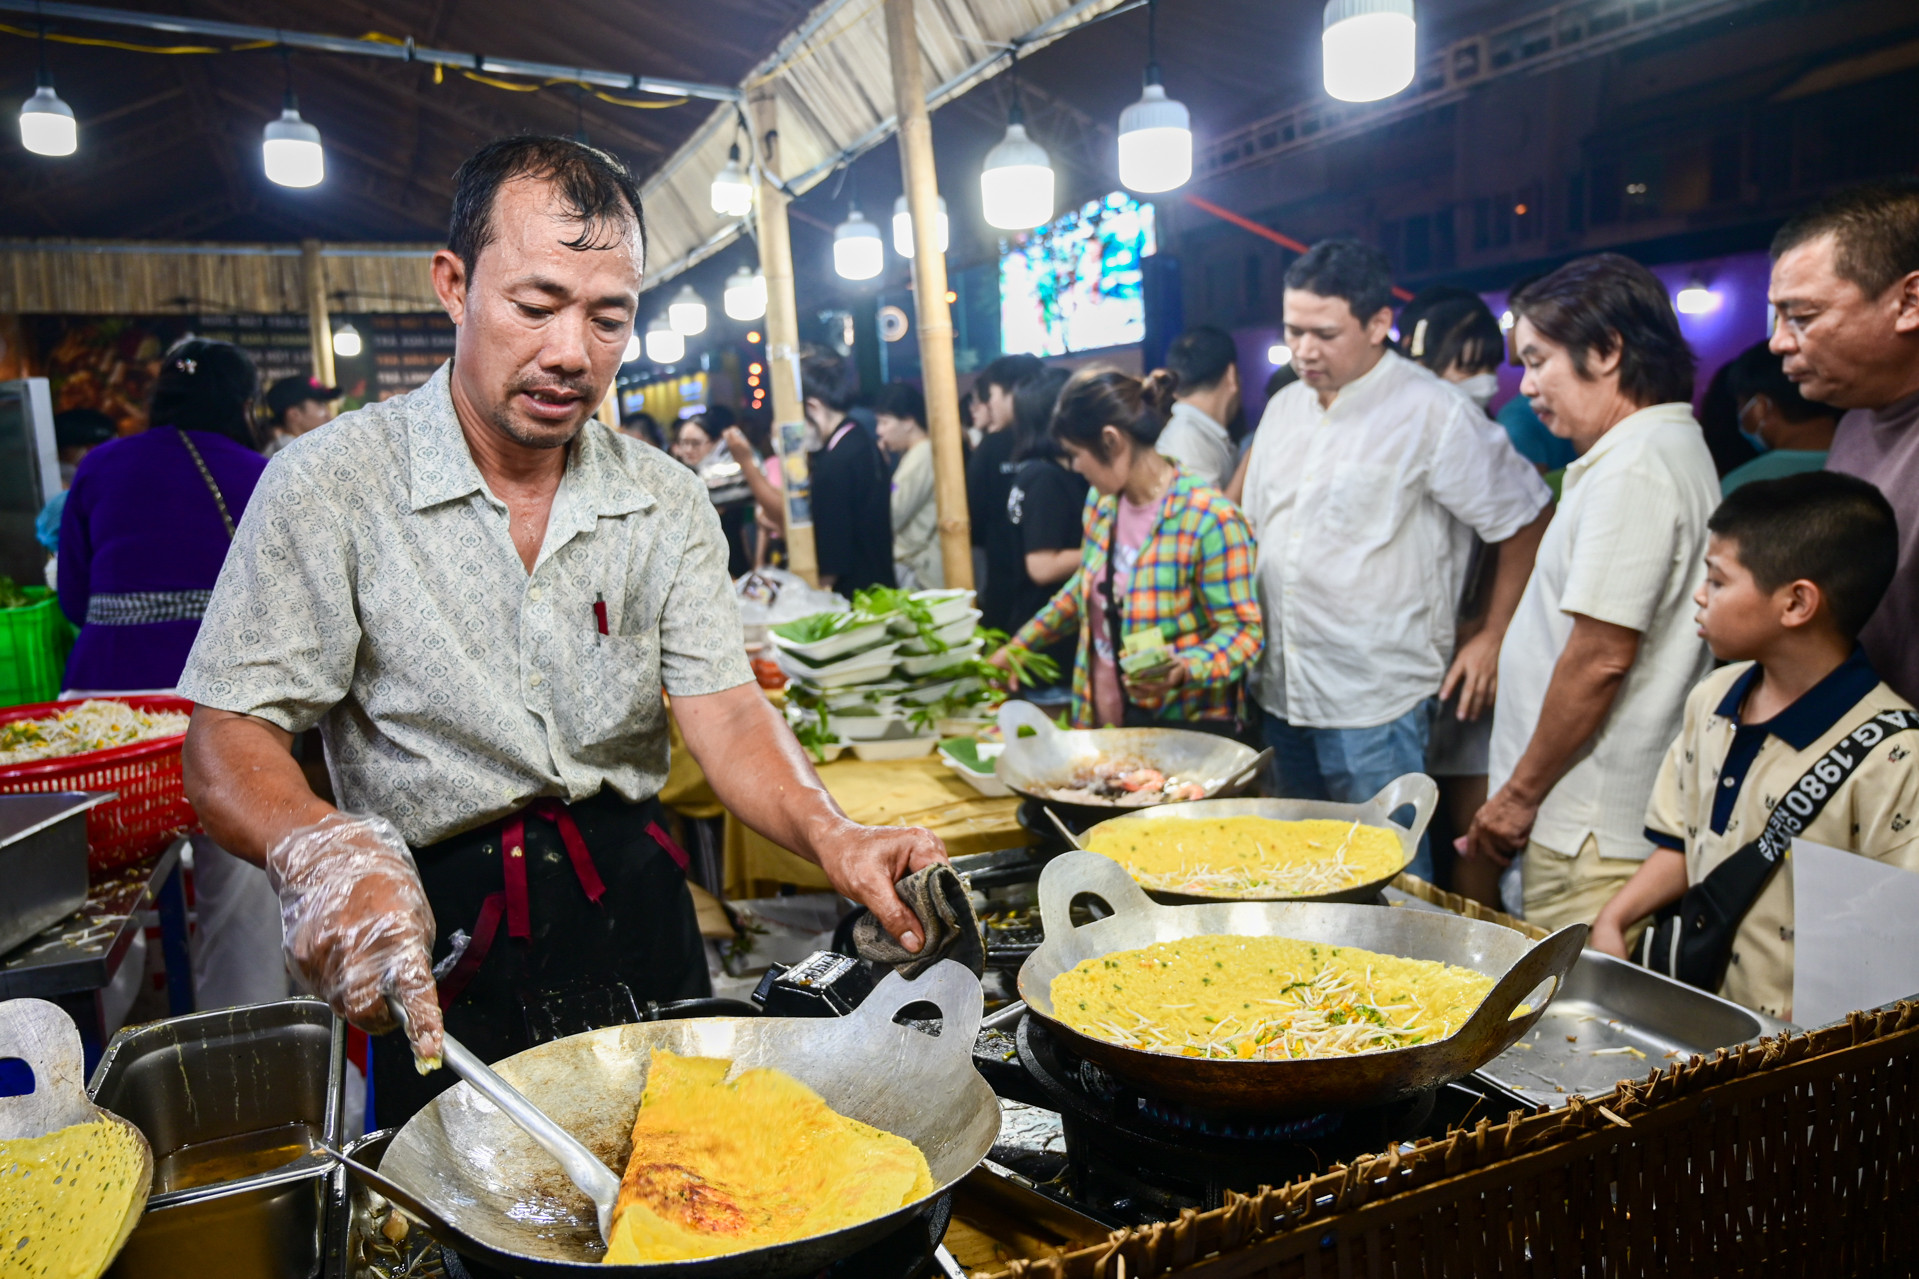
x: 513, y: 903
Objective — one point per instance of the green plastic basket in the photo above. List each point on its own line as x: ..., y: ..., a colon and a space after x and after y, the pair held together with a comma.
x: 34, y: 642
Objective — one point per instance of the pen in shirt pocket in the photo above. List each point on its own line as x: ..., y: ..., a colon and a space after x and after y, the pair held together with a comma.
x: 599, y: 613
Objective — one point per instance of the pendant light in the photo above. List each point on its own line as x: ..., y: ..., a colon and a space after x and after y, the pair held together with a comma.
x: 663, y: 344
x: 732, y: 193
x: 858, y: 251
x: 291, y: 147
x: 1155, y: 133
x: 745, y: 295
x: 46, y: 123
x: 1369, y: 48
x: 346, y: 342
x: 687, y: 312
x: 632, y: 351
x: 903, y: 226
x: 1016, y: 182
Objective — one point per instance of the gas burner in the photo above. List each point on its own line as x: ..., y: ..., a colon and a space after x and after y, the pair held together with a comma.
x: 1133, y: 1157
x: 907, y: 1253
x: 1243, y: 1129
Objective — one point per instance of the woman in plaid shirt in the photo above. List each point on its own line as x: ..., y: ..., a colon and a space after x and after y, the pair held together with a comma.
x: 1176, y: 556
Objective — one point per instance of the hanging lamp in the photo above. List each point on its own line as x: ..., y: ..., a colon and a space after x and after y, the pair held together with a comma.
x: 1369, y: 48
x: 732, y: 192
x: 663, y: 344
x: 687, y: 312
x: 1016, y: 182
x: 858, y: 251
x: 291, y: 148
x: 903, y: 226
x: 745, y: 295
x: 1155, y: 133
x: 47, y: 126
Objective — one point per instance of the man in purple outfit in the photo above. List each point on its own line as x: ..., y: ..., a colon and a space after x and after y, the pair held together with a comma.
x: 149, y: 518
x: 1845, y: 282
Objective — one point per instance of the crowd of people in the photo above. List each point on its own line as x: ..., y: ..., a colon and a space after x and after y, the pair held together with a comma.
x: 1615, y: 658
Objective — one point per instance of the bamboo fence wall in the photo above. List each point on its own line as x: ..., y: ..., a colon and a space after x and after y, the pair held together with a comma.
x: 101, y: 277
x: 1798, y: 1156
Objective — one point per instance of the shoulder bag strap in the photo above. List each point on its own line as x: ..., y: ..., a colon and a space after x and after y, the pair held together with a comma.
x: 1697, y: 944
x: 226, y: 517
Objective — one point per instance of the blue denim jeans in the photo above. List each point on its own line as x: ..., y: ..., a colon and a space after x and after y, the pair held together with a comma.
x: 1350, y: 765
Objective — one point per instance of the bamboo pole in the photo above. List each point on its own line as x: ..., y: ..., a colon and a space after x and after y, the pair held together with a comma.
x: 783, y: 336
x: 319, y: 325
x: 935, y: 316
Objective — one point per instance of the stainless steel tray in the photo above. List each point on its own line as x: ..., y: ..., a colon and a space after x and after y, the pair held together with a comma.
x: 1609, y: 1005
x: 222, y: 1077
x: 43, y: 860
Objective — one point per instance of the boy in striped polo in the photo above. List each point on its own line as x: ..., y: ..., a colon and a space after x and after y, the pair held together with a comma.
x: 1795, y: 567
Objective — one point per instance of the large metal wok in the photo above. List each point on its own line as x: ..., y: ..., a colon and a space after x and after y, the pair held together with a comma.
x: 486, y: 1191
x: 1526, y: 973
x: 1416, y: 790
x: 1032, y: 766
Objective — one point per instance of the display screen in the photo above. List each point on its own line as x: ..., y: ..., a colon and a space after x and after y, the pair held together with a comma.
x: 1076, y: 284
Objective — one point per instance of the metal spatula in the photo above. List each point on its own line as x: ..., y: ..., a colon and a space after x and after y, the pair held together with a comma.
x: 594, y: 1179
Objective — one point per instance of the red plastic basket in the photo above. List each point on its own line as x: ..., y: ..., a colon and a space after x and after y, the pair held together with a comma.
x: 151, y: 807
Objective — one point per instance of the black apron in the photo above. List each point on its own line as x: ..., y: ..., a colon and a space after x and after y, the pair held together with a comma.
x: 641, y: 933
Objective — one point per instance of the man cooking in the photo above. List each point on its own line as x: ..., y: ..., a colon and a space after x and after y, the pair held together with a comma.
x: 477, y: 593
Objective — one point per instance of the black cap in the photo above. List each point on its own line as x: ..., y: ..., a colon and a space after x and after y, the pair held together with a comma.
x: 291, y: 391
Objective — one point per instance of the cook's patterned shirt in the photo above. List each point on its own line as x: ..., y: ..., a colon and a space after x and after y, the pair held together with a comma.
x: 373, y: 589
x: 1722, y: 777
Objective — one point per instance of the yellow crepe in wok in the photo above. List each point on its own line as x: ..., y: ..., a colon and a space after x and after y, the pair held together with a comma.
x: 1257, y: 857
x: 724, y: 1166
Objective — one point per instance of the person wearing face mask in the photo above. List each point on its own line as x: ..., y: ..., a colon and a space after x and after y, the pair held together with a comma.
x: 1845, y: 284
x: 1453, y: 333
x: 1368, y: 479
x: 1790, y: 432
x: 1594, y: 673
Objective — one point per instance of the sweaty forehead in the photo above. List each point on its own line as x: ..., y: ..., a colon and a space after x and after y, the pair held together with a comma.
x: 533, y: 225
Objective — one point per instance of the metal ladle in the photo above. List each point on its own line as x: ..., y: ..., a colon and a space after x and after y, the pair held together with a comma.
x: 594, y: 1179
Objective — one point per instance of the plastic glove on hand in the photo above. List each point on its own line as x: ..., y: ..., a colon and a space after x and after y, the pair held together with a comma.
x: 358, y: 926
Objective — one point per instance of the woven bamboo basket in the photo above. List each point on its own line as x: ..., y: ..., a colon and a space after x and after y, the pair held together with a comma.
x: 1795, y: 1156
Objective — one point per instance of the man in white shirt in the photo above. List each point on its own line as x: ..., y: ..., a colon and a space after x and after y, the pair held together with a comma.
x: 1603, y: 650
x: 1204, y: 400
x: 1368, y: 479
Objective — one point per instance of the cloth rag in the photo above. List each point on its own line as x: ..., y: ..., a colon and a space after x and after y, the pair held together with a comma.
x: 937, y: 895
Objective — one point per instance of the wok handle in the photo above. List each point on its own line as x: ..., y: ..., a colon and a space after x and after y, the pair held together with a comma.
x: 1248, y: 773
x: 582, y: 1167
x: 948, y: 986
x: 1554, y: 958
x: 1417, y: 789
x: 1081, y: 871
